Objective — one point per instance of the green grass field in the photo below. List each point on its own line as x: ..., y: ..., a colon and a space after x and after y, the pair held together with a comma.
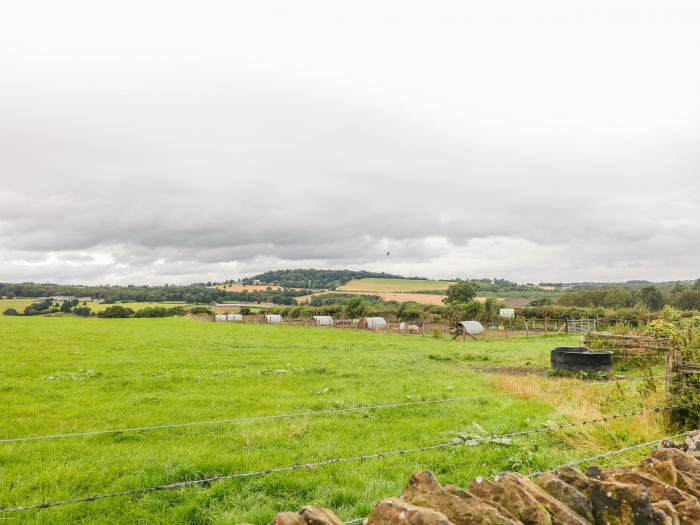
x: 21, y: 303
x: 65, y: 374
x: 17, y: 304
x: 394, y: 285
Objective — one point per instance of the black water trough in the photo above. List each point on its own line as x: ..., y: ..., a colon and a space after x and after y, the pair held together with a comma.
x: 581, y: 359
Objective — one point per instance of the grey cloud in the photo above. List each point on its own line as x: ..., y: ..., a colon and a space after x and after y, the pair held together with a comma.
x: 216, y: 172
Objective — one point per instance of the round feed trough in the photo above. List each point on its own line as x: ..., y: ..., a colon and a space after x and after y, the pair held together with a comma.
x: 581, y: 359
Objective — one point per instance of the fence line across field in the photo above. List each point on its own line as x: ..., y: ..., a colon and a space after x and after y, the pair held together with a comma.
x: 586, y: 460
x: 319, y: 412
x: 400, y: 452
x: 616, y: 452
x: 529, y: 325
x: 552, y: 325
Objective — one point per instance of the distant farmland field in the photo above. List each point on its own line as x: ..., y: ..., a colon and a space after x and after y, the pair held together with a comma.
x: 394, y: 285
x: 64, y: 374
x: 400, y: 297
x: 237, y: 287
x: 20, y: 304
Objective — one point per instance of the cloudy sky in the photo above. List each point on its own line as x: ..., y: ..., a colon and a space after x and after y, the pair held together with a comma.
x: 154, y: 142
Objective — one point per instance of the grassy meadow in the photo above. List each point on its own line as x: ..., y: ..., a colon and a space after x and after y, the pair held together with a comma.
x: 20, y: 304
x: 66, y: 374
x: 394, y: 285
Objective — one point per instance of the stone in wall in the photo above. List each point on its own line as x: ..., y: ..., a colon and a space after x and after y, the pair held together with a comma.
x: 663, y: 489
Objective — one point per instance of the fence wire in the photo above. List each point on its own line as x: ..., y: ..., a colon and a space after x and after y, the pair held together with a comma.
x: 313, y: 413
x: 586, y: 460
x: 264, y: 472
x: 616, y: 452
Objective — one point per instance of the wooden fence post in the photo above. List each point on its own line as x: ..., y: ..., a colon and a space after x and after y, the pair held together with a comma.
x: 670, y: 365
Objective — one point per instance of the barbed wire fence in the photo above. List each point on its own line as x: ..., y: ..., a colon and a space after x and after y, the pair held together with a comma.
x: 647, y: 444
x: 314, y: 413
x: 604, y: 455
x: 263, y: 472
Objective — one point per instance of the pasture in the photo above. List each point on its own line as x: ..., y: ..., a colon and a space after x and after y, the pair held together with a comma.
x: 64, y: 374
x: 394, y: 285
x: 20, y: 304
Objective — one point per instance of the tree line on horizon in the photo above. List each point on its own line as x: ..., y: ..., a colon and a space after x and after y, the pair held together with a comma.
x: 653, y: 297
x: 198, y: 293
x: 681, y: 296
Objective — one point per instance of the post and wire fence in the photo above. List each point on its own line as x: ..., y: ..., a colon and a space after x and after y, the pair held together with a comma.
x: 320, y: 412
x: 432, y: 325
x: 334, y: 461
x: 325, y: 462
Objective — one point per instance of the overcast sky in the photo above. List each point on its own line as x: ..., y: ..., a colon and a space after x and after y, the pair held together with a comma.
x: 172, y: 142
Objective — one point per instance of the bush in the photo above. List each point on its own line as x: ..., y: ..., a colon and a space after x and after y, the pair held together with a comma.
x: 160, y: 311
x: 660, y: 328
x: 67, y: 306
x: 471, y: 310
x: 10, y: 311
x: 199, y: 310
x: 652, y: 298
x: 409, y: 312
x: 460, y: 293
x: 82, y: 311
x: 116, y: 311
x: 688, y: 300
x: 355, y: 307
x: 41, y: 308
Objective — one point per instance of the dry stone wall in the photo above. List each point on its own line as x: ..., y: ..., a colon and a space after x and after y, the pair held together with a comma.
x: 663, y: 489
